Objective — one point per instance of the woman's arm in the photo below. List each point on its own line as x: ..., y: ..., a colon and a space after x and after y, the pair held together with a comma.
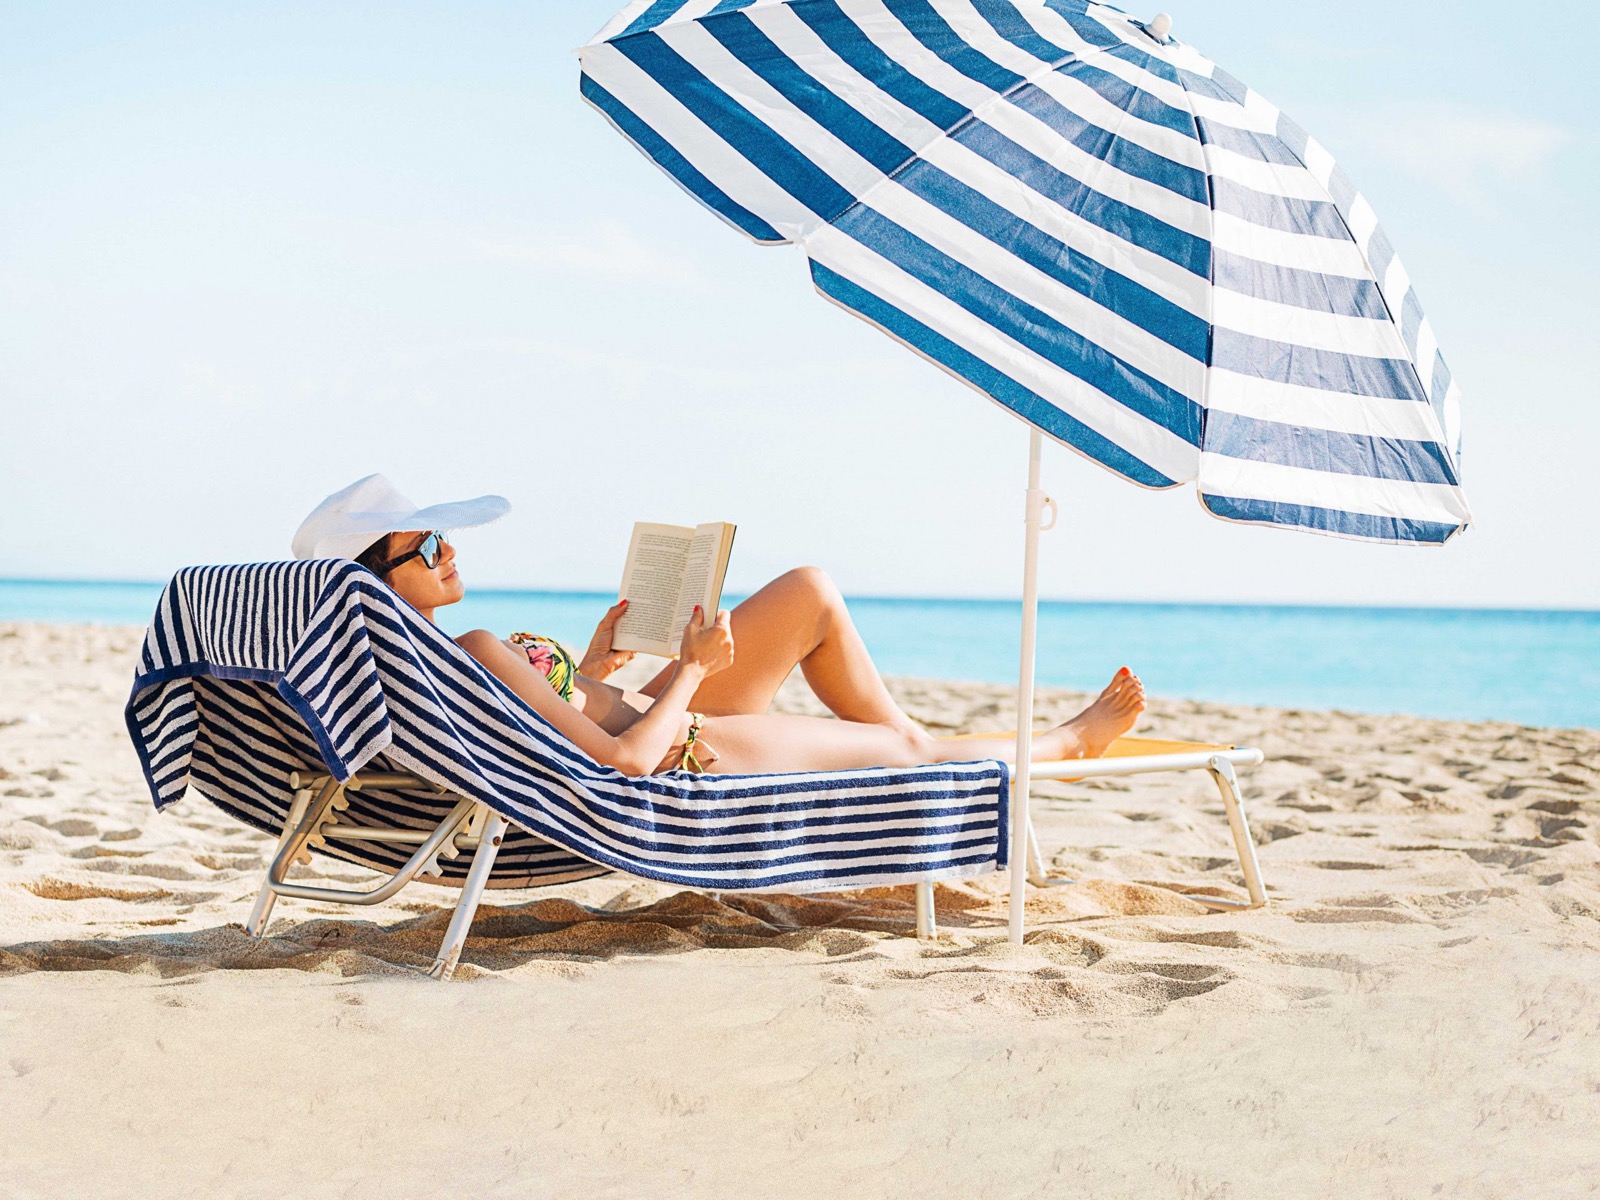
x: 608, y: 706
x: 638, y: 749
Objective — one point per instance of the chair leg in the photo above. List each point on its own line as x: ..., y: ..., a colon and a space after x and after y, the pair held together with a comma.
x: 1227, y: 781
x: 455, y: 937
x: 1038, y: 876
x: 266, y: 897
x: 927, y: 926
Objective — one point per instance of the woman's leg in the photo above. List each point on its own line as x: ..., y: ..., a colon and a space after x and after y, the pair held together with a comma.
x: 776, y: 742
x: 798, y: 619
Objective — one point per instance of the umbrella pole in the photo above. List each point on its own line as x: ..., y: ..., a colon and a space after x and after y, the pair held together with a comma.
x: 1020, y: 777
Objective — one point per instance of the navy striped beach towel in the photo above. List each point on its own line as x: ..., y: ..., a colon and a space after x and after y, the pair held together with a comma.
x: 249, y: 673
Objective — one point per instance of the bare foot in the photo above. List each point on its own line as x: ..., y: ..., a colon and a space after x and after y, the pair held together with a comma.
x: 1114, y: 712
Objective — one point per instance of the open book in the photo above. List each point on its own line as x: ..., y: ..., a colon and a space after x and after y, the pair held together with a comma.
x: 670, y: 569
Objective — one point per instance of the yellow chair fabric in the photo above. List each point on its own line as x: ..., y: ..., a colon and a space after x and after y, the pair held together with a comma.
x: 1123, y: 747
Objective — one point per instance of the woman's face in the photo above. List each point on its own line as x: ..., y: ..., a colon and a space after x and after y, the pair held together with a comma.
x: 419, y: 585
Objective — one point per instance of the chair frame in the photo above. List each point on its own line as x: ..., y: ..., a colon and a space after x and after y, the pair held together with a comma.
x: 1219, y: 763
x: 314, y: 818
x: 474, y: 827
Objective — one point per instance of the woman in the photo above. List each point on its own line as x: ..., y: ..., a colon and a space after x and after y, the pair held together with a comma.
x: 707, y: 711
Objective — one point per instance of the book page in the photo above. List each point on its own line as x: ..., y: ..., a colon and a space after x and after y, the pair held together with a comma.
x: 652, y: 581
x: 702, y: 580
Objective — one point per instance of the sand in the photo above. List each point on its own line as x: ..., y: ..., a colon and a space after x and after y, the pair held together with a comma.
x: 1417, y: 1014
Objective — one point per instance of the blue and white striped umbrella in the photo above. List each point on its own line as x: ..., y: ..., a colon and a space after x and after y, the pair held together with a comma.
x: 1082, y: 218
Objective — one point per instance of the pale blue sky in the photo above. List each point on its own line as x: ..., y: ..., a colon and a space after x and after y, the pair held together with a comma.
x: 249, y: 253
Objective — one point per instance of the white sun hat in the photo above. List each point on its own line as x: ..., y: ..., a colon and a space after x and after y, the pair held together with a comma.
x: 351, y: 519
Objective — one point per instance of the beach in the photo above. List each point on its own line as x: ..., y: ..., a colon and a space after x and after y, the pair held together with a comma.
x: 1416, y: 1013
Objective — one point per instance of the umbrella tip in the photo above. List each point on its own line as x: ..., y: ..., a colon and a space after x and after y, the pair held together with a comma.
x: 1160, y: 27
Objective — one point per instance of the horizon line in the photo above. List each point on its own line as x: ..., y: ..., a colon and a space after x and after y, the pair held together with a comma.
x: 606, y: 592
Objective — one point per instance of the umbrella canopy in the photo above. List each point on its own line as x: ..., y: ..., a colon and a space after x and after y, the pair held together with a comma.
x: 1085, y: 220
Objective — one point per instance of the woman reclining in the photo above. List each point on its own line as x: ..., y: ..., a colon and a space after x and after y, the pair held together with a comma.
x: 707, y: 711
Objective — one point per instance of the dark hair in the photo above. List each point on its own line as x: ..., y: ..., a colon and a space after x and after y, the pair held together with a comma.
x: 375, y: 555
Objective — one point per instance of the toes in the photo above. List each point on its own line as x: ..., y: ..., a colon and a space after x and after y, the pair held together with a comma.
x: 1124, y: 690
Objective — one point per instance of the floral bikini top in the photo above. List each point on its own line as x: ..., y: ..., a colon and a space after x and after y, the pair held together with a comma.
x: 550, y: 657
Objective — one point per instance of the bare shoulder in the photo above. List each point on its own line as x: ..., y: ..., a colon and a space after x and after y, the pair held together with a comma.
x: 505, y: 659
x: 481, y: 644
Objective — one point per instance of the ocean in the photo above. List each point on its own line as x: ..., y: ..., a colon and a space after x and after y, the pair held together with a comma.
x: 1531, y: 667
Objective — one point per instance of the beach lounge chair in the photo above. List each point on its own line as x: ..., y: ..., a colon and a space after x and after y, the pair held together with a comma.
x: 309, y: 701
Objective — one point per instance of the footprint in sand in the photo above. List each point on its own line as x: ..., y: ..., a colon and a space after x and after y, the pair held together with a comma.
x: 1221, y: 939
x: 1170, y: 982
x: 133, y: 867
x: 234, y: 862
x: 1268, y: 832
x: 1560, y: 808
x: 1344, y: 865
x: 1430, y: 799
x: 1566, y: 779
x: 73, y: 827
x: 1501, y: 856
x: 1207, y: 862
x: 1449, y: 904
x: 1510, y: 791
x: 64, y: 889
x: 1331, y: 961
x: 67, y: 889
x: 1305, y: 800
x: 1560, y: 820
x: 1354, y: 915
x: 1070, y: 949
x: 105, y: 852
x: 1186, y: 972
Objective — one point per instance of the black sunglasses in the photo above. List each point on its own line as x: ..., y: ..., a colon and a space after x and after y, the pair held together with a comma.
x: 431, y: 552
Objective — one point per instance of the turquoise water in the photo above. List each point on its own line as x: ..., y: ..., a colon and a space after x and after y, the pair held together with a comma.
x: 1533, y: 667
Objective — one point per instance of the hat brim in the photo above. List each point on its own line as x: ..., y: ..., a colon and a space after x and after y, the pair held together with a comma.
x: 360, y: 529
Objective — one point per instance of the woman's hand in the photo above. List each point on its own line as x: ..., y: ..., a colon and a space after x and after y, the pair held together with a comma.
x: 600, y: 659
x: 709, y: 647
